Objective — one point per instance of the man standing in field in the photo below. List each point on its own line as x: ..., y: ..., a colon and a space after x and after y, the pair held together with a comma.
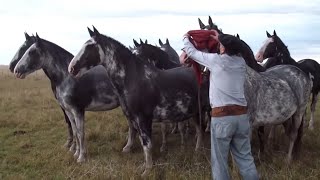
x: 229, y: 123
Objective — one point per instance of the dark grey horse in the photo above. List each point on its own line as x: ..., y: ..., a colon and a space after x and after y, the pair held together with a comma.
x: 90, y: 92
x: 145, y: 92
x: 278, y: 53
x: 166, y: 47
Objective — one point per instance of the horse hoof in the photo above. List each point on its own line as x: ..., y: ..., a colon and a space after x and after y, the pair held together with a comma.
x: 76, y: 154
x: 68, y: 144
x: 311, y: 128
x: 163, y: 148
x: 81, y: 159
x: 72, y: 148
x: 146, y: 173
x: 126, y: 150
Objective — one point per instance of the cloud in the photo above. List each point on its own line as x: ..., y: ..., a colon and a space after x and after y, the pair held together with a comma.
x: 65, y: 22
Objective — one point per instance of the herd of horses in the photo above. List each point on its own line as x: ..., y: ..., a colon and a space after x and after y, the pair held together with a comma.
x: 150, y: 85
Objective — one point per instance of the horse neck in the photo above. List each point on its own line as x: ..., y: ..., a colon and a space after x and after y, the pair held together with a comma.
x: 123, y: 65
x: 173, y: 55
x: 251, y: 61
x: 283, y: 56
x: 56, y: 67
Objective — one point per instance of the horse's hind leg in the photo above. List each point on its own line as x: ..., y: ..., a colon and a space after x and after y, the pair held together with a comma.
x: 312, y: 109
x: 208, y: 121
x: 297, y: 145
x: 174, y: 127
x: 198, y: 133
x: 261, y: 138
x: 70, y: 141
x: 131, y: 135
x: 181, y: 130
x: 293, y: 134
x: 164, y: 138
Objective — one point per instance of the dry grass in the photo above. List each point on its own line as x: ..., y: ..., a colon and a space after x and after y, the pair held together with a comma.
x: 32, y: 132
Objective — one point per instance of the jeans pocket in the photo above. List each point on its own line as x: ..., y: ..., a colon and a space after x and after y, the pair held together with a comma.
x: 222, y: 130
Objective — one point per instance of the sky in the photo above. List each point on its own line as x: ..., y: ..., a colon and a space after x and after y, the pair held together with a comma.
x: 65, y: 22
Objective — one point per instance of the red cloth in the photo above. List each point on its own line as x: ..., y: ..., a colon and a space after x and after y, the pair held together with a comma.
x: 201, y: 40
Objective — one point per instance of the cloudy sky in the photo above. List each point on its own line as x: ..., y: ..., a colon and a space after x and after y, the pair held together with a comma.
x: 65, y: 22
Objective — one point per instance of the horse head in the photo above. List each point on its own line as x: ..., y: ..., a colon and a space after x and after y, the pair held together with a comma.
x: 32, y: 59
x: 23, y: 48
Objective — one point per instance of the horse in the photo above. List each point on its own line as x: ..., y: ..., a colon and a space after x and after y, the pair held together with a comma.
x: 23, y: 48
x: 92, y: 92
x: 166, y: 47
x: 278, y: 53
x: 277, y: 95
x: 210, y: 25
x: 145, y: 92
x: 160, y: 59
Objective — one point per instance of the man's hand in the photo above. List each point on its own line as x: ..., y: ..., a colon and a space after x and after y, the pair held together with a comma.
x: 215, y: 36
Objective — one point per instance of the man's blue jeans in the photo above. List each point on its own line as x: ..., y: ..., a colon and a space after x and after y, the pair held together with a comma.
x: 231, y: 133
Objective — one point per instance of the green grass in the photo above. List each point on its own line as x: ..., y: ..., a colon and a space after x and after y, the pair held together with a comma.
x: 33, y: 131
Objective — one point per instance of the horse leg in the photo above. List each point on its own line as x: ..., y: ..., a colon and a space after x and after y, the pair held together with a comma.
x: 69, y: 142
x: 79, y: 119
x: 131, y: 135
x: 296, y: 122
x: 198, y: 133
x: 181, y: 128
x: 208, y: 121
x: 75, y: 145
x: 312, y: 109
x: 297, y: 145
x: 261, y: 137
x: 145, y: 128
x: 164, y: 140
x: 271, y: 136
x: 174, y: 128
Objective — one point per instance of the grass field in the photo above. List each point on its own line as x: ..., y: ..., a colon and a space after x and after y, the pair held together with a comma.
x: 33, y: 131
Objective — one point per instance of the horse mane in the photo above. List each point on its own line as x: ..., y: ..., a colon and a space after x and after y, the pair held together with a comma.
x: 121, y: 50
x: 248, y: 56
x: 57, y: 52
x: 280, y: 44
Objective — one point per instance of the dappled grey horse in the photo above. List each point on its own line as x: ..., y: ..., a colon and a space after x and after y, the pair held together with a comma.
x: 90, y: 92
x: 275, y: 96
x: 278, y: 53
x: 23, y: 48
x: 145, y: 92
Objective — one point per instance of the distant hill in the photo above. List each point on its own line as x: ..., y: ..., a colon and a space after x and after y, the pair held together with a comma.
x: 4, y: 66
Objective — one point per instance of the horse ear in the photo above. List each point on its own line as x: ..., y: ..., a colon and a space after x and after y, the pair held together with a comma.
x: 96, y: 32
x: 136, y: 43
x: 274, y: 33
x: 238, y: 36
x: 146, y: 41
x: 167, y: 41
x: 268, y: 35
x: 160, y: 42
x: 90, y: 32
x: 38, y: 40
x: 210, y: 22
x: 27, y: 36
x: 141, y: 42
x: 202, y: 26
